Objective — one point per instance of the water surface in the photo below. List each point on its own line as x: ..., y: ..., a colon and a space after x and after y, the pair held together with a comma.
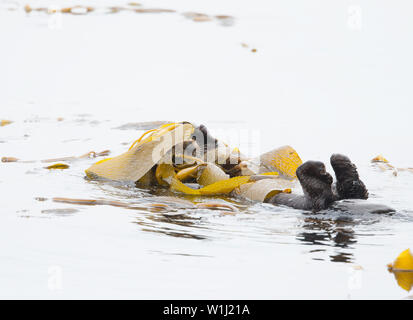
x: 278, y: 73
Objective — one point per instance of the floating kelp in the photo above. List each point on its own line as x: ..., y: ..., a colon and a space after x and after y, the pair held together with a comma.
x: 154, y: 10
x: 77, y: 10
x: 384, y: 165
x: 60, y: 166
x: 89, y: 155
x: 143, y: 155
x: 217, y: 188
x: 380, y: 158
x: 5, y: 122
x: 211, y: 173
x: 404, y: 262
x: 148, y: 125
x: 190, y: 173
x: 284, y: 160
x: 153, y: 160
x: 402, y: 268
x: 225, y: 20
x: 197, y: 17
x: 164, y: 207
x: 264, y: 189
x: 9, y: 159
x: 93, y: 202
x: 244, y: 45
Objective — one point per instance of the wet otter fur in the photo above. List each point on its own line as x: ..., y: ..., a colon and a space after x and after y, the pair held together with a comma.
x: 348, y: 185
x: 321, y: 194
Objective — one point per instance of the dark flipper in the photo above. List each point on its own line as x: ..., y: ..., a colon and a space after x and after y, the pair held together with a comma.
x: 316, y: 185
x: 348, y: 185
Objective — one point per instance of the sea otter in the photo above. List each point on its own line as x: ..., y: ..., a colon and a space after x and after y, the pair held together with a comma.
x: 320, y: 193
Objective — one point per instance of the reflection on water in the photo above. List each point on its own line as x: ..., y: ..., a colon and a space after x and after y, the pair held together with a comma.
x: 177, y: 225
x: 256, y: 222
x: 329, y: 232
x: 404, y: 279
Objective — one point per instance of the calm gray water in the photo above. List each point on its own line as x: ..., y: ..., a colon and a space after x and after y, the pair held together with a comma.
x: 317, y: 81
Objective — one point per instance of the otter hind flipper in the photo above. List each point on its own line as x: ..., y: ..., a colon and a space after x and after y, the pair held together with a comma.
x: 316, y: 184
x: 348, y: 185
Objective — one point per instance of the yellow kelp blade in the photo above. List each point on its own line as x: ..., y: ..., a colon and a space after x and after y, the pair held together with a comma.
x: 220, y: 187
x: 262, y: 190
x: 164, y: 173
x: 210, y: 174
x: 404, y: 262
x: 138, y: 160
x: 58, y: 166
x: 5, y: 122
x: 189, y: 173
x: 402, y: 268
x: 224, y: 186
x: 380, y: 158
x: 284, y: 160
x: 404, y: 279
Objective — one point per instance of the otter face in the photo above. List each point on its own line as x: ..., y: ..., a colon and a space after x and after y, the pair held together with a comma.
x: 204, y: 139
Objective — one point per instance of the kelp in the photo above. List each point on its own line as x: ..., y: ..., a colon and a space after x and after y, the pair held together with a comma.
x: 147, y: 125
x: 264, y: 189
x: 154, y: 10
x: 9, y: 159
x: 217, y: 188
x: 197, y: 17
x: 94, y: 202
x: 4, y: 123
x: 223, y: 20
x: 384, y: 165
x: 154, y: 159
x: 211, y: 173
x: 404, y: 262
x: 89, y: 155
x: 284, y: 160
x: 402, y: 268
x: 157, y: 206
x: 143, y: 155
x: 166, y: 175
x: 56, y: 166
x: 189, y: 173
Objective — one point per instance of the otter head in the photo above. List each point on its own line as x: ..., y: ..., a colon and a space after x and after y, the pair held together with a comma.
x: 204, y: 139
x: 316, y: 183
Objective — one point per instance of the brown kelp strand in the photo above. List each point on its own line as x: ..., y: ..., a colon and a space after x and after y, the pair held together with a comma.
x: 4, y: 123
x: 89, y: 155
x: 113, y: 203
x: 222, y: 19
